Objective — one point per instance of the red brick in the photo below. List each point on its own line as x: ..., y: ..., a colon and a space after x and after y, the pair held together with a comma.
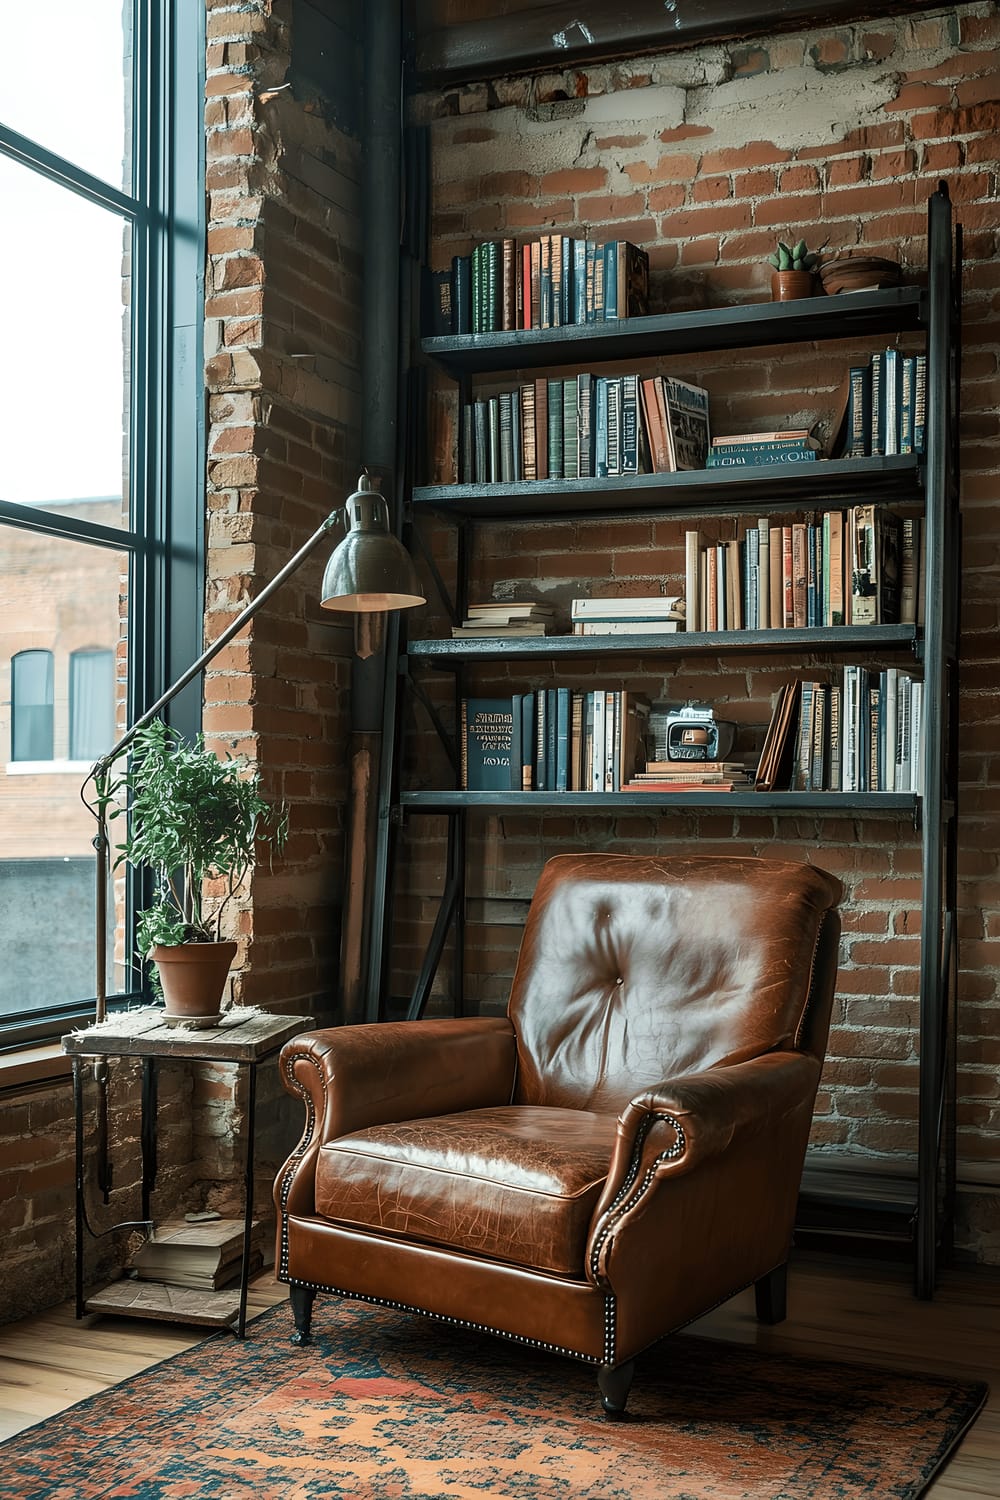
x: 574, y: 180
x: 756, y: 153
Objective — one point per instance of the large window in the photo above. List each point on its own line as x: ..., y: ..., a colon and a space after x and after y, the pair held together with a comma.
x: 101, y: 267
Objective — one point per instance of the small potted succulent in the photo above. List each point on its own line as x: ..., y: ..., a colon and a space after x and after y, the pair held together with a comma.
x: 794, y: 269
x: 192, y: 817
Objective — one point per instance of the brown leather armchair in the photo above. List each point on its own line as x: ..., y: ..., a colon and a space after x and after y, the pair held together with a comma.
x: 617, y: 1155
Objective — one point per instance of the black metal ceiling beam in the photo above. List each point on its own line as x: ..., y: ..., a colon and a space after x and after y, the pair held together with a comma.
x: 564, y: 34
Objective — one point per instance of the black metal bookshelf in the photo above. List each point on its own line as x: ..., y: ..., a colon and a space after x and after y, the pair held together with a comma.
x: 836, y: 1192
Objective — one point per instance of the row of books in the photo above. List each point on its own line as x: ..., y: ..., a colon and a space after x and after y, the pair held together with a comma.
x: 886, y: 405
x: 582, y: 427
x: 545, y: 283
x: 552, y: 739
x: 861, y: 566
x: 862, y: 733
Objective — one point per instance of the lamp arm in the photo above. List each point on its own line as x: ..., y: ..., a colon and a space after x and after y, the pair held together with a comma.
x: 100, y: 767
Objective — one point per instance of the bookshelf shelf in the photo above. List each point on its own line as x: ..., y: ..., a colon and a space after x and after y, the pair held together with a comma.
x: 764, y: 487
x: 844, y: 804
x: 755, y: 324
x: 681, y: 643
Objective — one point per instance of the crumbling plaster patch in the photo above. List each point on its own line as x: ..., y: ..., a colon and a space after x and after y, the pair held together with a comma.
x: 794, y: 105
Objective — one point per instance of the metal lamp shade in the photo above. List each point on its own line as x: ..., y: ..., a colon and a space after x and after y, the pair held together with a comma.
x: 370, y: 569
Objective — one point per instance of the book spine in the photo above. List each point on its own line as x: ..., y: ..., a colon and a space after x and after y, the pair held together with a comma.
x: 562, y: 739
x: 541, y: 428
x: 461, y: 275
x: 919, y: 402
x: 579, y: 281
x: 735, y: 458
x: 877, y: 415
x: 585, y: 425
x: 833, y: 746
x: 787, y: 579
x: 614, y: 425
x: 630, y: 424
x: 858, y: 431
x: 906, y: 404
x: 610, y: 258
x: 601, y: 427
x: 508, y: 284
x: 909, y: 553
x: 800, y: 575
x: 554, y: 404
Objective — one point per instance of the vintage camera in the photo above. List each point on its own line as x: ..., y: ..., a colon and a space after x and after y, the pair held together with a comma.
x: 694, y: 733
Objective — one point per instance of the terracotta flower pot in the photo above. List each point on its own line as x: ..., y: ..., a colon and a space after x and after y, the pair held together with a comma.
x: 786, y: 286
x: 193, y: 976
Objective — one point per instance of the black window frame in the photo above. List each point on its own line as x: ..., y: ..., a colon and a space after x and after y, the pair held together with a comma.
x: 165, y: 538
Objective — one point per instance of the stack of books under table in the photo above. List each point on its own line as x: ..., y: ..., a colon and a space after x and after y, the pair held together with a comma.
x: 206, y: 1254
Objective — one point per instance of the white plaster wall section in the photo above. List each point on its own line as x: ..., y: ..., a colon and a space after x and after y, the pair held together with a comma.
x: 793, y: 107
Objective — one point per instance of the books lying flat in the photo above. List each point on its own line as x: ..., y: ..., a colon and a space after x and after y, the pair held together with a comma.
x: 655, y: 606
x: 529, y: 627
x: 506, y: 612
x: 637, y: 626
x: 683, y: 786
x: 204, y: 1254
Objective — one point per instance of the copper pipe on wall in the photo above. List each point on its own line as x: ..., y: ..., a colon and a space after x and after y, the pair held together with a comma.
x: 381, y: 174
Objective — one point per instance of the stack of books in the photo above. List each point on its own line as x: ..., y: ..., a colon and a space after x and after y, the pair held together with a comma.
x: 744, y: 449
x: 690, y: 776
x: 660, y: 614
x: 525, y: 618
x: 205, y: 1255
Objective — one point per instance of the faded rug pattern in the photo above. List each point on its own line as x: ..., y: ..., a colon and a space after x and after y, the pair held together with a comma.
x: 385, y: 1406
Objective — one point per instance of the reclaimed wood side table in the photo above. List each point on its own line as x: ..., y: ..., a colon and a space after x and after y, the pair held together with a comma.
x: 245, y: 1040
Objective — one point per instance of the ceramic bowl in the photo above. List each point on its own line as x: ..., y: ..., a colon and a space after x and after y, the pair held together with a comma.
x: 856, y: 273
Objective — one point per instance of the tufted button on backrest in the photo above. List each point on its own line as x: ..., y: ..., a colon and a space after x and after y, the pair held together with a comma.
x: 635, y: 969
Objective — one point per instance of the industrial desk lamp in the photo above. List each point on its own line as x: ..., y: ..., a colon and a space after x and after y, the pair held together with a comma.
x: 369, y: 571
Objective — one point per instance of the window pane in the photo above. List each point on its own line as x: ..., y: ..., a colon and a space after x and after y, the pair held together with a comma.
x: 91, y: 703
x: 60, y: 601
x: 63, y: 376
x: 66, y: 77
x: 31, y: 706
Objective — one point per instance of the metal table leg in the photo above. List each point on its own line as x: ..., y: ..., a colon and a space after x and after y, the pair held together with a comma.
x: 78, y: 1123
x: 247, y: 1200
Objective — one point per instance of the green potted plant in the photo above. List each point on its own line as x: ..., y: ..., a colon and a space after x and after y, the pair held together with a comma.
x: 192, y: 817
x: 794, y: 269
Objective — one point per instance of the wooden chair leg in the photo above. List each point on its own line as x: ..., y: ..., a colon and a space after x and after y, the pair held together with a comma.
x: 771, y: 1294
x: 615, y: 1382
x: 301, y: 1299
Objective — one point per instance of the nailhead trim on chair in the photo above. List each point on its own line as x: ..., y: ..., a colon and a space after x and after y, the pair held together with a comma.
x: 309, y: 1128
x: 677, y: 1149
x: 517, y: 1338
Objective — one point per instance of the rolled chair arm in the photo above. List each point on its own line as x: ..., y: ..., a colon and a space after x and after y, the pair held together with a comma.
x: 351, y: 1077
x: 683, y: 1123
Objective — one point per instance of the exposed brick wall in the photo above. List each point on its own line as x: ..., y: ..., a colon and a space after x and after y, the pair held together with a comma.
x: 282, y: 310
x: 706, y: 157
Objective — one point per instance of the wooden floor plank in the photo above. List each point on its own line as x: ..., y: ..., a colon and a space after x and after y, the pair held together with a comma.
x: 838, y: 1309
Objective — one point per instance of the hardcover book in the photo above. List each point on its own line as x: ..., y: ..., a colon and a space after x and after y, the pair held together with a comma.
x: 687, y: 415
x: 485, y: 743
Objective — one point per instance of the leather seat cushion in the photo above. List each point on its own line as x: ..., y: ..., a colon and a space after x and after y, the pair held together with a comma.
x: 516, y: 1183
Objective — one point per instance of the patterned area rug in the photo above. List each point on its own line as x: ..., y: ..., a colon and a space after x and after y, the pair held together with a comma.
x: 389, y: 1407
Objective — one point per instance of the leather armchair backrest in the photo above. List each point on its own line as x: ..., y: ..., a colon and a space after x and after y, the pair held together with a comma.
x: 634, y: 969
